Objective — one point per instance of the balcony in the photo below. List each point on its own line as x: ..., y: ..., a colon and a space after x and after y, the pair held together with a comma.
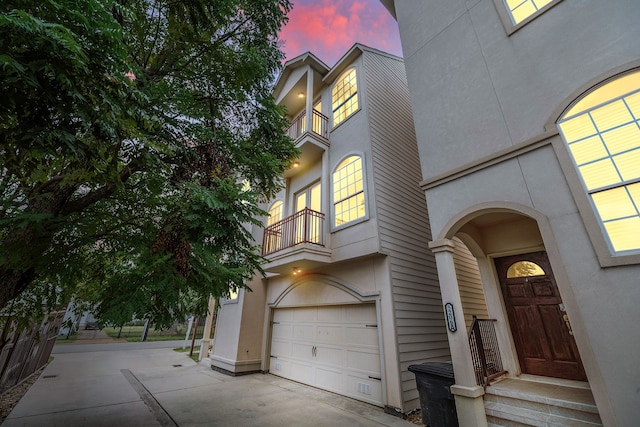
x: 312, y: 144
x: 296, y: 240
x: 319, y: 125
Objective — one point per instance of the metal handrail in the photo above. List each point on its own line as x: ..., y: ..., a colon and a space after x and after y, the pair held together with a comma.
x: 319, y: 125
x: 305, y: 226
x: 485, y: 353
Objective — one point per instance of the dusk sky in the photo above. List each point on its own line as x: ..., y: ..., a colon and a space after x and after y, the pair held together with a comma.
x: 328, y: 28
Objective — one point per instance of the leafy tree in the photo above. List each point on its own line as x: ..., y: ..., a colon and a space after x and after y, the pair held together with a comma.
x: 137, y: 139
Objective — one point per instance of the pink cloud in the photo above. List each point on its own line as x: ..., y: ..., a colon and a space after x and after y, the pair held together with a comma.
x: 328, y: 28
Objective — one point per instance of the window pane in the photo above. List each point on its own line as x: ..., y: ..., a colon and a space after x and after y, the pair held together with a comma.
x: 624, y: 234
x: 614, y: 89
x: 599, y: 174
x: 577, y: 128
x: 611, y: 115
x: 634, y: 190
x: 622, y: 139
x: 614, y: 204
x: 588, y: 150
x: 633, y: 102
x: 524, y: 269
x: 628, y: 164
x: 523, y: 11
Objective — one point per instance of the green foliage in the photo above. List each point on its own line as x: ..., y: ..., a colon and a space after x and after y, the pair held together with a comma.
x: 127, y: 131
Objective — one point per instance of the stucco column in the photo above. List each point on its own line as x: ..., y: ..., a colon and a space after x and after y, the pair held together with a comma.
x: 309, y: 99
x: 468, y: 395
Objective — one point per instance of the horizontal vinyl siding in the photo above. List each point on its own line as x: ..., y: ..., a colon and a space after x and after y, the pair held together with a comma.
x: 469, y: 282
x: 403, y: 223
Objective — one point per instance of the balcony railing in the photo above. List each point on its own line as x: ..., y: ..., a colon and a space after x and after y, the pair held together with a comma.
x: 319, y: 125
x: 305, y: 226
x: 484, y: 351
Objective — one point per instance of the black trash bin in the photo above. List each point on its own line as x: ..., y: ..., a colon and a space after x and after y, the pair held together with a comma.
x: 436, y: 401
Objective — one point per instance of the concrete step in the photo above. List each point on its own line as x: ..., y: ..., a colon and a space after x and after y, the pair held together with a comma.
x: 522, y: 402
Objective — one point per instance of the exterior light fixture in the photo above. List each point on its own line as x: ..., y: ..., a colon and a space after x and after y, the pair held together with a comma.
x: 295, y: 164
x: 296, y: 271
x: 301, y: 95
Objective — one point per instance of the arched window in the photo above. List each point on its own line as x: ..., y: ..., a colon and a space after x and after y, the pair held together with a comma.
x: 602, y: 131
x: 344, y: 97
x: 348, y: 191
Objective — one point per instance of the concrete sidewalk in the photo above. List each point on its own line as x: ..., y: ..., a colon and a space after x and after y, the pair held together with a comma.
x: 160, y: 387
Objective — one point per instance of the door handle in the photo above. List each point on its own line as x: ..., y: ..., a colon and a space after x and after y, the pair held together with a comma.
x: 566, y: 322
x: 314, y: 351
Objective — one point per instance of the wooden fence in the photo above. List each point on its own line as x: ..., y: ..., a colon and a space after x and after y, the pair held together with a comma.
x: 27, y: 350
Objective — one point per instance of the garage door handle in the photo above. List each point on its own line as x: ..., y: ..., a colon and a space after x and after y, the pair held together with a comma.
x: 314, y: 351
x: 374, y: 378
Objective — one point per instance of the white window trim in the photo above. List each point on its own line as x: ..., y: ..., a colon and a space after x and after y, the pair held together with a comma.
x: 507, y: 22
x: 364, y: 191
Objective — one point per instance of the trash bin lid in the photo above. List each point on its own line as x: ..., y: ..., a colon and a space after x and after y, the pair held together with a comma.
x: 441, y: 369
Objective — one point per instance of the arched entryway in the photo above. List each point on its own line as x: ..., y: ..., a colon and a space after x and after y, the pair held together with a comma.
x: 520, y: 288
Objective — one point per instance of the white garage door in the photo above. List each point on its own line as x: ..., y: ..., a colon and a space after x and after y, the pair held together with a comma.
x: 335, y: 348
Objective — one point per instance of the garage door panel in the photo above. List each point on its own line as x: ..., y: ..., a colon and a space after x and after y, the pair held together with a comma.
x: 280, y: 331
x: 331, y: 314
x: 330, y: 356
x: 281, y: 348
x: 359, y: 336
x: 304, y: 333
x: 332, y: 380
x: 304, y: 314
x: 363, y: 362
x: 280, y: 367
x: 283, y: 315
x: 362, y: 313
x: 302, y: 351
x: 364, y: 388
x: 302, y: 372
x: 331, y: 335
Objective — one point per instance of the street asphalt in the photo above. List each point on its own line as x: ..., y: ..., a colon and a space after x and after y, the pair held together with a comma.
x: 131, y: 384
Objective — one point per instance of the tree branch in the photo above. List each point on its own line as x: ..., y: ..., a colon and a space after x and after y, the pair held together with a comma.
x: 101, y: 193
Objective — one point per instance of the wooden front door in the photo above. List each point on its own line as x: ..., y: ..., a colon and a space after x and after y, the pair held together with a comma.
x: 539, y: 324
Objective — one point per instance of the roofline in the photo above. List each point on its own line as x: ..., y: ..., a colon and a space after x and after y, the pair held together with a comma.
x: 356, y: 50
x: 391, y: 7
x: 306, y: 58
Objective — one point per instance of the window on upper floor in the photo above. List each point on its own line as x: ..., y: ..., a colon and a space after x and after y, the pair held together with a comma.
x: 516, y: 13
x: 344, y: 97
x: 348, y: 191
x: 602, y: 131
x: 275, y: 212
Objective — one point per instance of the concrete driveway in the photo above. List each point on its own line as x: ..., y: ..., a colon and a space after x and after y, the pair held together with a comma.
x: 160, y: 387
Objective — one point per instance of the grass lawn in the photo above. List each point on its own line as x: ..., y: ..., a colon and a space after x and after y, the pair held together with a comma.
x: 195, y: 354
x: 134, y: 334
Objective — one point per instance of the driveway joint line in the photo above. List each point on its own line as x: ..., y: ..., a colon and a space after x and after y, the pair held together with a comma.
x: 158, y: 411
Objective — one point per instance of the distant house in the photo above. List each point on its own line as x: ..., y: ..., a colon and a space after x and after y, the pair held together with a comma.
x: 527, y: 119
x: 351, y: 298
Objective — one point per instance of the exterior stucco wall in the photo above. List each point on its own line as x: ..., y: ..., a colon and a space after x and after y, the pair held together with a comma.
x: 476, y: 91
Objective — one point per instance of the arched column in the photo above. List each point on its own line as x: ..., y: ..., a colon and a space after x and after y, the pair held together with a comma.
x: 468, y: 395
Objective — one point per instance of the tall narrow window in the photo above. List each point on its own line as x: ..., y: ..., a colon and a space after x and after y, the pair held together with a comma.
x: 273, y: 233
x: 602, y: 131
x: 275, y: 212
x: 348, y: 191
x: 344, y: 97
